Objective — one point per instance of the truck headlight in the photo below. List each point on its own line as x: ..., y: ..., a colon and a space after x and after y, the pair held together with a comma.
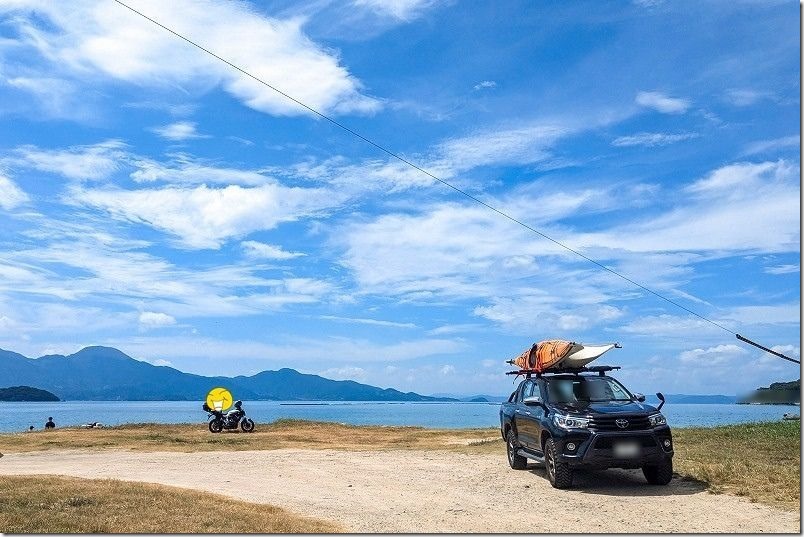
x: 657, y: 419
x: 570, y: 422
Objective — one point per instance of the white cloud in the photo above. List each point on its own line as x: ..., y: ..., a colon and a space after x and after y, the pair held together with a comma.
x: 399, y: 9
x: 447, y: 370
x: 720, y: 354
x: 454, y: 329
x: 84, y: 162
x: 178, y: 131
x: 89, y: 39
x: 260, y: 250
x: 373, y: 322
x: 782, y: 269
x: 11, y: 196
x: 662, y: 103
x: 652, y: 139
x: 152, y: 319
x: 204, y: 217
x: 345, y: 373
x: 741, y: 178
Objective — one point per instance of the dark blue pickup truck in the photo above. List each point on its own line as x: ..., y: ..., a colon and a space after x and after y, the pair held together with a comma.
x: 583, y: 418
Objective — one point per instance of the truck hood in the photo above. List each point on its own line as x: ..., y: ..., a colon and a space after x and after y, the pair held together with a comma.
x: 613, y: 407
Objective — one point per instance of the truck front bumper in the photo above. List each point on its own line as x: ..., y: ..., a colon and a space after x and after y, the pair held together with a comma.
x: 597, y: 449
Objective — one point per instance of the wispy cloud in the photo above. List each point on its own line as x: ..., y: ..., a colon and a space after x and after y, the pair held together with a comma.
x: 485, y: 84
x: 770, y: 146
x: 361, y: 320
x: 782, y: 269
x: 84, y: 162
x: 11, y: 196
x: 662, y: 102
x: 745, y: 96
x: 260, y: 250
x: 179, y: 131
x: 652, y: 139
x: 399, y: 9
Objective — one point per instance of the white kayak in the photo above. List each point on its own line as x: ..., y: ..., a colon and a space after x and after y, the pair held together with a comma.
x: 581, y: 354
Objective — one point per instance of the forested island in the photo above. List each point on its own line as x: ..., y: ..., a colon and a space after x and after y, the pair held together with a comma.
x: 26, y: 393
x: 778, y: 393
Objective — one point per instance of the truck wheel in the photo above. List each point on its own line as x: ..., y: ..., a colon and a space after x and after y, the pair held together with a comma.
x: 659, y: 474
x: 516, y: 461
x: 559, y: 473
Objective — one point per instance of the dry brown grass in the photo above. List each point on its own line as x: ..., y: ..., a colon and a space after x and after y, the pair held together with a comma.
x: 281, y: 434
x: 51, y: 504
x: 761, y: 461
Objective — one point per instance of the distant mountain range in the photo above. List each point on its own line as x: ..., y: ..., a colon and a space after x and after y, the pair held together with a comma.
x: 107, y: 374
x: 681, y: 398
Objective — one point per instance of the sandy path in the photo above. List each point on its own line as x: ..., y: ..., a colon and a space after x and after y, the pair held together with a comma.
x: 422, y: 491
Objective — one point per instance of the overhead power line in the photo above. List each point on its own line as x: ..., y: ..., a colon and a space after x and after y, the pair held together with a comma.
x: 446, y: 183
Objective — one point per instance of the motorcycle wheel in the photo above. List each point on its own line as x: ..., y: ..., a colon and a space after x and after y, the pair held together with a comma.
x: 247, y: 425
x: 215, y: 426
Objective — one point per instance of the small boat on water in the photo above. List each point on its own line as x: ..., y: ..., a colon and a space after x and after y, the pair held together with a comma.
x: 559, y: 354
x: 790, y: 417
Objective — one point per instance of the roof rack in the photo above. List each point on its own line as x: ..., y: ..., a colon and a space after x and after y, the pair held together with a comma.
x: 599, y: 369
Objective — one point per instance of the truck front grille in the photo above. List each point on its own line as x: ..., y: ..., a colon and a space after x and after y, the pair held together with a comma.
x: 609, y: 423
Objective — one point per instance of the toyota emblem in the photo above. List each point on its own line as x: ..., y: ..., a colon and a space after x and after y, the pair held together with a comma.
x: 622, y: 424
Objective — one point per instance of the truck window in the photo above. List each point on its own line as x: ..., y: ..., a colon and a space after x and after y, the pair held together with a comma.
x: 525, y: 390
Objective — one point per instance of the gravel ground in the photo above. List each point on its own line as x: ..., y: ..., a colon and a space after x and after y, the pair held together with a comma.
x: 424, y: 491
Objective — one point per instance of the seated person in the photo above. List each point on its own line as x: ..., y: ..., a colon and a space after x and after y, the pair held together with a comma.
x: 50, y: 424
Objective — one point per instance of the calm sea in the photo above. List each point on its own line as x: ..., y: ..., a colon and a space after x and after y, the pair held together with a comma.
x: 19, y: 416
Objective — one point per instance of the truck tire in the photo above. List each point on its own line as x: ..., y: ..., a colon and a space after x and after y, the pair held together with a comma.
x: 559, y: 473
x: 659, y: 474
x: 517, y: 462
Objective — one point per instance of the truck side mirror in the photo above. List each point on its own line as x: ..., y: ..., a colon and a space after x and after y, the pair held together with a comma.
x: 661, y: 398
x: 639, y: 397
x: 533, y: 400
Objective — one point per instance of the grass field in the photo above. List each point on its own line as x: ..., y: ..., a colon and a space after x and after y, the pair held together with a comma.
x: 67, y: 505
x: 758, y: 461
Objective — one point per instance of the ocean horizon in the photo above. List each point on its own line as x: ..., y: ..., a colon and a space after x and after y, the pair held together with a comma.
x: 19, y: 416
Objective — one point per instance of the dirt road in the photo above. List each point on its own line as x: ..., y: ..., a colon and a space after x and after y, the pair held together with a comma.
x: 424, y: 491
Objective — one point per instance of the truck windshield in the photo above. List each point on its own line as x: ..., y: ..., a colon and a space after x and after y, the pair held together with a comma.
x: 586, y: 390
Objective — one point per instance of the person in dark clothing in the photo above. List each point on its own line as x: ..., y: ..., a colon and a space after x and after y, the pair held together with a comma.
x: 50, y: 424
x: 31, y: 428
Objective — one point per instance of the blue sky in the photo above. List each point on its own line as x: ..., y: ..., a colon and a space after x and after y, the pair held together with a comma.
x: 157, y: 201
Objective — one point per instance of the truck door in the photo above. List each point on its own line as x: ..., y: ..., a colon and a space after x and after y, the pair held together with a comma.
x: 523, y: 417
x: 537, y: 414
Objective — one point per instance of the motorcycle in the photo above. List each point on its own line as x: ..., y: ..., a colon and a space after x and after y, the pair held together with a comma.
x: 229, y: 420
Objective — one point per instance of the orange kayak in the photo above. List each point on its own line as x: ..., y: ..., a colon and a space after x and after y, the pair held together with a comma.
x: 555, y: 353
